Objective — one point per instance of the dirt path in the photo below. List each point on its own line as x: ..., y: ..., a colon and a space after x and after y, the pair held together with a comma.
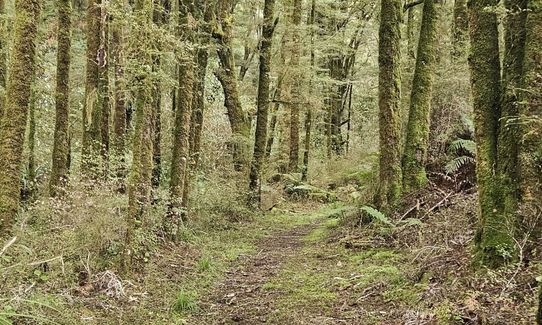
x: 240, y: 298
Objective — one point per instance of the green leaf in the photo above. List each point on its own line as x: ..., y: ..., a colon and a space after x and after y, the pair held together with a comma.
x: 377, y: 215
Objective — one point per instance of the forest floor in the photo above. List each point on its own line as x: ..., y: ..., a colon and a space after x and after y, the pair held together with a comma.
x: 302, y: 263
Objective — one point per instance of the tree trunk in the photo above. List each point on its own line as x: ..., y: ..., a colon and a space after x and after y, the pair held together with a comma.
x: 308, y: 113
x: 531, y: 131
x: 263, y: 105
x: 61, y: 147
x: 460, y: 34
x: 389, y: 190
x: 417, y: 138
x: 492, y: 236
x: 295, y: 105
x: 139, y: 186
x: 509, y: 129
x: 13, y: 122
x: 239, y: 120
x: 119, y: 114
x: 181, y: 136
x: 103, y: 60
x: 92, y: 112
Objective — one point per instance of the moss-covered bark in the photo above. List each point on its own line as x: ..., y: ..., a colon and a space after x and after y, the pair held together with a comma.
x: 530, y: 153
x: 119, y: 106
x: 460, y: 36
x: 308, y: 112
x: 92, y: 110
x: 104, y: 99
x: 181, y: 136
x: 239, y: 120
x: 139, y: 185
x: 61, y: 147
x: 263, y: 104
x: 389, y: 59
x: 13, y: 122
x: 417, y: 137
x: 297, y: 77
x: 493, y: 239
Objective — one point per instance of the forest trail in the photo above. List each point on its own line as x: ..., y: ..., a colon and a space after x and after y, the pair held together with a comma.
x: 241, y: 298
x: 295, y: 276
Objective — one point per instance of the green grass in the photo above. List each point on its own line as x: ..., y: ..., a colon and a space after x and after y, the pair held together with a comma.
x: 186, y: 303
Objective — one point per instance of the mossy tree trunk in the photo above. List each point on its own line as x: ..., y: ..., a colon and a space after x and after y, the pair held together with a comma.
x: 139, y: 185
x: 297, y: 77
x: 493, y: 237
x: 390, y: 176
x: 104, y: 100
x: 417, y: 137
x: 239, y: 120
x: 263, y: 104
x: 509, y: 129
x: 308, y: 113
x: 119, y: 110
x: 181, y: 136
x: 13, y: 122
x: 92, y: 110
x: 460, y: 32
x: 530, y: 153
x: 61, y: 147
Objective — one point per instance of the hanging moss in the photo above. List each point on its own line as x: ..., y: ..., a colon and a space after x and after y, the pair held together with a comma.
x: 417, y: 139
x: 13, y: 122
x: 389, y: 60
x: 61, y: 147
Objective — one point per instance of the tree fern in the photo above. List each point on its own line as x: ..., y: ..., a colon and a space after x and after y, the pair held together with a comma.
x: 456, y: 164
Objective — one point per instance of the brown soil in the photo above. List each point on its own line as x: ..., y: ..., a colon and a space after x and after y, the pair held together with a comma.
x: 239, y: 299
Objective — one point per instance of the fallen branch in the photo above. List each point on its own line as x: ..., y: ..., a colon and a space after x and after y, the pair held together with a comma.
x: 8, y: 244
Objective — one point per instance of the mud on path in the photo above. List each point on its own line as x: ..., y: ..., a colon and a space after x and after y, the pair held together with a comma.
x: 240, y: 298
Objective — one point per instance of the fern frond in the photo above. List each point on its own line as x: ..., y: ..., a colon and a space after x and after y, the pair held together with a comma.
x: 376, y: 215
x: 467, y: 145
x: 455, y: 165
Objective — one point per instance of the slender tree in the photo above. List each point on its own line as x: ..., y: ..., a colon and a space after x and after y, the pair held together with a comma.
x: 13, y: 122
x: 296, y: 86
x: 92, y: 110
x: 308, y: 113
x: 239, y: 120
x: 417, y: 138
x: 61, y: 147
x: 183, y: 114
x: 389, y: 189
x: 139, y: 185
x: 119, y: 110
x: 492, y: 237
x: 263, y: 104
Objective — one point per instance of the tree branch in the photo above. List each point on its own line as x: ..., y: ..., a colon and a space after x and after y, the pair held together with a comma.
x: 409, y: 5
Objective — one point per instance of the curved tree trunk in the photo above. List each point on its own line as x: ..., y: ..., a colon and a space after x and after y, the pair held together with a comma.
x: 13, y: 122
x: 61, y: 147
x: 417, y: 138
x: 389, y: 189
x: 239, y: 120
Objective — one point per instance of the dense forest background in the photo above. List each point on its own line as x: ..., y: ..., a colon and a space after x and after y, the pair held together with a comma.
x: 279, y: 161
